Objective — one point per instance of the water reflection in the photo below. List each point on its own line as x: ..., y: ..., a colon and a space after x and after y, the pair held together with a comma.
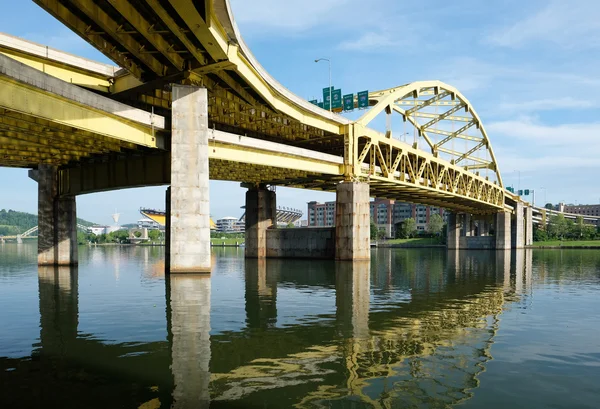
x: 406, y: 330
x: 188, y: 320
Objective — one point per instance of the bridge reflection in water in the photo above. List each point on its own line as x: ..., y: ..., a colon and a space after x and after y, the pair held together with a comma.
x: 406, y: 331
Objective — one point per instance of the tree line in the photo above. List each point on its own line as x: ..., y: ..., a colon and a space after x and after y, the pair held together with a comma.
x: 13, y: 222
x: 407, y: 228
x: 559, y: 228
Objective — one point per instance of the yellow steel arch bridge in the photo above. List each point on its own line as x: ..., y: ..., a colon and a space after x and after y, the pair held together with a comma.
x: 83, y: 116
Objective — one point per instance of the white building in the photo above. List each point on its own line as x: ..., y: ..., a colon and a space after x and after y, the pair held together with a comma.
x: 98, y: 230
x: 230, y: 225
x: 147, y: 223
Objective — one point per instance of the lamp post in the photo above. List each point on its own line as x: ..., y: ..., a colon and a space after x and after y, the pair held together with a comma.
x: 330, y: 93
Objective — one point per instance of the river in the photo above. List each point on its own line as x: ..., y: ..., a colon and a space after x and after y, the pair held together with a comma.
x: 414, y: 328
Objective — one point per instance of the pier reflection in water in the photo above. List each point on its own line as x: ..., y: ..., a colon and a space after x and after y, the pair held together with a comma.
x: 411, y: 328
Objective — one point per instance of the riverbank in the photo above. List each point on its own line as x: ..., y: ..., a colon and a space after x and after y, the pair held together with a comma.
x: 574, y: 244
x: 418, y: 242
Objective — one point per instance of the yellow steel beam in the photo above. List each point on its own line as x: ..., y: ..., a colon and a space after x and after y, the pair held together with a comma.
x: 68, y: 74
x: 32, y: 101
x: 215, y: 44
x: 127, y: 10
x: 65, y: 15
x: 254, y: 157
x: 110, y: 27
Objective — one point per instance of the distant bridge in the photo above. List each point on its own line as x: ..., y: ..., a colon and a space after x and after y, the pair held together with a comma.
x: 34, y: 229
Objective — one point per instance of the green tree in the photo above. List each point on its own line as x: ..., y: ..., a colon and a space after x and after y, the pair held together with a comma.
x: 154, y: 235
x: 436, y: 224
x: 409, y: 228
x: 557, y: 226
x: 290, y: 225
x: 540, y: 235
x: 549, y: 206
x: 374, y: 230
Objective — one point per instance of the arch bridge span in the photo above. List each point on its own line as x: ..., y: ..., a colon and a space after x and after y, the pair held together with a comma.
x: 421, y: 142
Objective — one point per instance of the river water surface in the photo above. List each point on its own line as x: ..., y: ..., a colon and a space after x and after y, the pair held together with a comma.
x: 412, y: 328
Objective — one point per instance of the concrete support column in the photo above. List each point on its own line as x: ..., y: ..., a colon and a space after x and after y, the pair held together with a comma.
x: 352, y: 222
x: 518, y: 227
x: 188, y: 237
x: 188, y: 321
x: 468, y: 225
x: 528, y: 226
x: 454, y: 227
x: 503, y: 236
x: 261, y: 214
x: 66, y: 231
x: 57, y: 221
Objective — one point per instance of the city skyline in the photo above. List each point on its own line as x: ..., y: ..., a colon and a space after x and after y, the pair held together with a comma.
x: 518, y: 103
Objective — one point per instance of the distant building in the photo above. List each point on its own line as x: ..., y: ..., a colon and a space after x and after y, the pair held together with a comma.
x: 148, y: 224
x: 98, y: 230
x: 586, y: 210
x: 230, y: 225
x: 385, y: 213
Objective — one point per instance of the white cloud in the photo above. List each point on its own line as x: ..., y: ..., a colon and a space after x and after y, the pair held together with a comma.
x: 529, y: 146
x: 288, y: 15
x: 566, y: 135
x: 369, y: 41
x: 568, y: 24
x: 547, y: 104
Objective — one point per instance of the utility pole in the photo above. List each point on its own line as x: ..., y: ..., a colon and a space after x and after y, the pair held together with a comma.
x: 330, y: 90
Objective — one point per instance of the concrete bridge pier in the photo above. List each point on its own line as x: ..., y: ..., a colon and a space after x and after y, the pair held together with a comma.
x: 57, y: 220
x: 261, y: 214
x: 352, y: 221
x: 502, y: 231
x: 518, y: 227
x: 528, y: 226
x: 188, y: 205
x: 464, y: 232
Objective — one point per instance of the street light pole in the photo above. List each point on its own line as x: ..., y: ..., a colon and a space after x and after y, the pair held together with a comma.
x: 330, y: 91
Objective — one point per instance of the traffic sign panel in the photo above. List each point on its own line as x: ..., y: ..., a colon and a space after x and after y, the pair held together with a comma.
x: 348, y: 102
x: 363, y: 99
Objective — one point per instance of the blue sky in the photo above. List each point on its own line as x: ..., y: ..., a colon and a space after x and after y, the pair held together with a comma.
x: 529, y: 69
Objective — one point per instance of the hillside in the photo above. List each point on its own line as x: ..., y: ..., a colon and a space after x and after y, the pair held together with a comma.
x: 13, y: 222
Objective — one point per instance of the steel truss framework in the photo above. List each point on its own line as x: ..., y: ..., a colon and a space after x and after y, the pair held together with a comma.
x: 198, y: 42
x: 404, y: 171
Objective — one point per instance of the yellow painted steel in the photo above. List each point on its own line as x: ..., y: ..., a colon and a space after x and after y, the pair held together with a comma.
x: 161, y: 218
x: 256, y: 157
x: 18, y: 97
x: 66, y: 73
x: 457, y: 167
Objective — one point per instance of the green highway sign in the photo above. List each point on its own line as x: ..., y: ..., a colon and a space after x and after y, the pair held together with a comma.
x: 348, y: 102
x: 526, y: 192
x: 520, y: 193
x: 363, y: 99
x: 320, y: 105
x: 326, y: 94
x: 511, y: 189
x: 314, y: 102
x: 337, y: 99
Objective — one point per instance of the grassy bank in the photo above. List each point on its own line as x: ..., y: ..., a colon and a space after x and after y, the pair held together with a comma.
x: 570, y: 243
x: 416, y: 242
